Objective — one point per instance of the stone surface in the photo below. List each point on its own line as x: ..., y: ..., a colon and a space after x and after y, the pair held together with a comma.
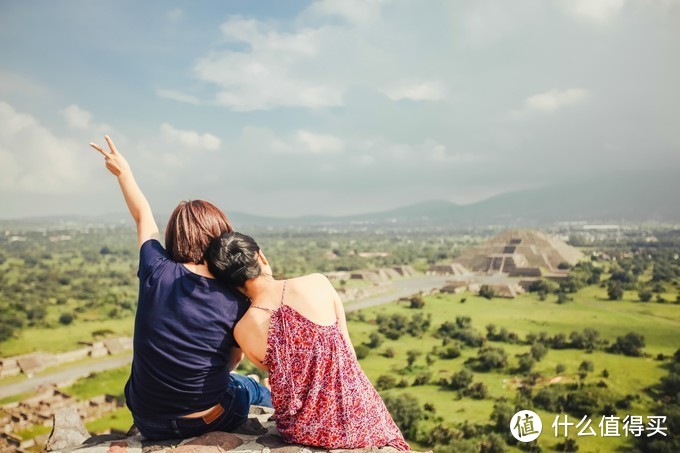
x: 226, y: 441
x: 68, y: 430
x: 257, y: 435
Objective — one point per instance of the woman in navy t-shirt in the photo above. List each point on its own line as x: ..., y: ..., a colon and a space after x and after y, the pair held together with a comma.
x: 184, y: 348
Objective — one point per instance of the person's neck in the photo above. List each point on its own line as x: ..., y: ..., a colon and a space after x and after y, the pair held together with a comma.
x: 200, y: 269
x: 261, y: 287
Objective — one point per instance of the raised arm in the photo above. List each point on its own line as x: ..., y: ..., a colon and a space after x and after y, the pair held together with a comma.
x: 134, y: 198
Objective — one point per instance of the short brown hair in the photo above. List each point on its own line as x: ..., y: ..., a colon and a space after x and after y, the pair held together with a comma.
x: 192, y: 225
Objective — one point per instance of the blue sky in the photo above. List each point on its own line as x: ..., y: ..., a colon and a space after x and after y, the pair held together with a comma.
x: 330, y: 107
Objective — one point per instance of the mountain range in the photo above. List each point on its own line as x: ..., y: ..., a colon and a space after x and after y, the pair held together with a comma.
x: 626, y: 197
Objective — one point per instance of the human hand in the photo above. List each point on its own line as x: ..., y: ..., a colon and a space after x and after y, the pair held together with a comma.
x: 115, y: 162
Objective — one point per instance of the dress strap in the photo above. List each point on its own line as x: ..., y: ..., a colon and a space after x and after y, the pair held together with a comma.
x: 283, y: 293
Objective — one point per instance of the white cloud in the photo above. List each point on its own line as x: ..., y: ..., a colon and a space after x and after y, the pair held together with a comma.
x: 35, y: 160
x: 313, y: 63
x: 265, y: 76
x: 593, y: 11
x: 419, y: 91
x: 77, y: 117
x: 190, y: 139
x: 551, y: 101
x: 318, y: 143
x: 356, y: 11
x: 177, y: 96
x: 302, y: 142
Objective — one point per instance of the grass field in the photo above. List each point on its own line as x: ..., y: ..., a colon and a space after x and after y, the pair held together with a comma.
x: 62, y: 338
x: 659, y: 323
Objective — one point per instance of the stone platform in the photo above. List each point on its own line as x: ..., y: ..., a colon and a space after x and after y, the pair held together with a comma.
x: 258, y: 434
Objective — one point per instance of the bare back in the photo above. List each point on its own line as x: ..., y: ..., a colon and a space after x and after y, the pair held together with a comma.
x: 312, y: 296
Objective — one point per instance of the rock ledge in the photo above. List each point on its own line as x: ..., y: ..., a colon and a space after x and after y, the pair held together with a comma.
x: 258, y: 434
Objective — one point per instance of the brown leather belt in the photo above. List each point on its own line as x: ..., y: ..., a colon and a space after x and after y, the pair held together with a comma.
x: 209, y: 415
x: 213, y: 414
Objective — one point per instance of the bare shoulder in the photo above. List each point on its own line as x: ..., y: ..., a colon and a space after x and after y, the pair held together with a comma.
x: 316, y: 280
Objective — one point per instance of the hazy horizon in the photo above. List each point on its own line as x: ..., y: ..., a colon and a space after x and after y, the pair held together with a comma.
x: 286, y: 109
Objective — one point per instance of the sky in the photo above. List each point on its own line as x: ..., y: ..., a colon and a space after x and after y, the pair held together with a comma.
x: 332, y: 106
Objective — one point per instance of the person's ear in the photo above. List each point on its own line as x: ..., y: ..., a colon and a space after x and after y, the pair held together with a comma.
x: 262, y: 257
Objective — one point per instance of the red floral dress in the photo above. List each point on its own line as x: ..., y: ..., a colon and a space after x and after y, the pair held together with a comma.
x: 321, y: 395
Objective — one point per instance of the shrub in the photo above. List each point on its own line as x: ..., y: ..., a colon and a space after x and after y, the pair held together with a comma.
x: 375, y: 340
x: 645, y: 295
x: 477, y: 391
x: 487, y: 292
x: 417, y: 302
x: 386, y: 382
x: 538, y: 351
x: 422, y: 379
x: 450, y: 352
x: 66, y: 318
x: 361, y: 351
x: 490, y: 357
x: 630, y: 344
x: 406, y: 413
x: 460, y: 380
x: 526, y: 363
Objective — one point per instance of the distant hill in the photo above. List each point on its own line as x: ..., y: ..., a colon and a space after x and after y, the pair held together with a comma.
x: 635, y: 197
x: 632, y: 197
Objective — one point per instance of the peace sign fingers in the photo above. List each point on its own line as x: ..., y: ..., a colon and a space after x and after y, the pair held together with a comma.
x: 115, y: 162
x: 112, y: 147
x: 99, y: 148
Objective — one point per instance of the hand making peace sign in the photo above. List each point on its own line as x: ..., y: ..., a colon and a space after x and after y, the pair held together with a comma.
x: 115, y: 161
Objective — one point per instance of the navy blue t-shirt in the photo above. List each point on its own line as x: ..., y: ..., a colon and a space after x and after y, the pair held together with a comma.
x: 183, y: 333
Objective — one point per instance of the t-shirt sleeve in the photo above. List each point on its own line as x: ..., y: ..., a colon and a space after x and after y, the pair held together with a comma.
x: 151, y: 256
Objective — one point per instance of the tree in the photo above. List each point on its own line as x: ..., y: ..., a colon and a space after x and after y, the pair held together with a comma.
x: 375, y: 340
x: 422, y: 379
x: 586, y: 365
x: 615, y: 291
x: 411, y: 357
x: 66, y: 318
x: 406, y: 413
x: 450, y: 352
x: 562, y: 298
x: 361, y: 351
x: 386, y: 382
x: 630, y: 344
x: 538, y: 351
x: 645, y: 295
x: 460, y: 380
x: 490, y: 357
x: 560, y: 368
x: 417, y: 302
x: 526, y: 363
x: 477, y: 391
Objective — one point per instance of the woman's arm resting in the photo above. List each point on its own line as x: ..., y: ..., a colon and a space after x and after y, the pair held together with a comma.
x: 235, y: 357
x: 134, y: 198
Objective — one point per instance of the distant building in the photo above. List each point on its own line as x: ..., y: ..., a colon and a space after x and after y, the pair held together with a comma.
x: 520, y: 253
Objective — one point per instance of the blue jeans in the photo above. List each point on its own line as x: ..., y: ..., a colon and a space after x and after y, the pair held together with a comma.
x: 240, y: 393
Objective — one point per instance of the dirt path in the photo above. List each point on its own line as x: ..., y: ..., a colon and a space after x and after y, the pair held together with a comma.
x: 59, y: 377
